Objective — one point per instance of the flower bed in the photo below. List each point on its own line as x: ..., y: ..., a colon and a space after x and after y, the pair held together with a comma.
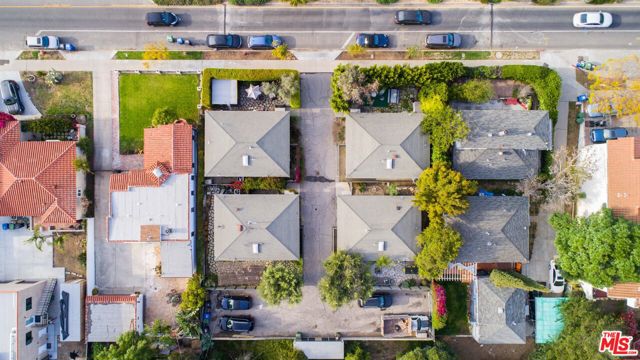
x: 439, y: 312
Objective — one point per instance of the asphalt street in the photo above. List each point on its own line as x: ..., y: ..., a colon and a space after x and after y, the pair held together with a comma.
x: 108, y: 28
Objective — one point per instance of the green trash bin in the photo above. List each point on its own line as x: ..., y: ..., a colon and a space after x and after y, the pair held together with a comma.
x: 580, y: 118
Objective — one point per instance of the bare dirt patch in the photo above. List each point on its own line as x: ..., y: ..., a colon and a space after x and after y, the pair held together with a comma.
x: 466, y: 348
x: 72, y: 255
x: 241, y: 55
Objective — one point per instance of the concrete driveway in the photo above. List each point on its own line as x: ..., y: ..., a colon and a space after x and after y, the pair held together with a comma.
x: 30, y: 111
x: 314, y: 318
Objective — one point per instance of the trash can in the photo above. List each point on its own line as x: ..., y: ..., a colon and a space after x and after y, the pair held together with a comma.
x: 582, y: 98
x: 580, y: 118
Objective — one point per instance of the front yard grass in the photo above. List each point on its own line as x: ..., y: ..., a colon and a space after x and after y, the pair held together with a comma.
x: 172, y: 55
x: 142, y: 94
x: 457, y: 314
x: 74, y: 95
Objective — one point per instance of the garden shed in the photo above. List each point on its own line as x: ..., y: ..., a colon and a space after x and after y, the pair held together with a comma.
x: 224, y: 92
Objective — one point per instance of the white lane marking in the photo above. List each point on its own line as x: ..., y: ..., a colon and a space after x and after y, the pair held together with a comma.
x: 346, y: 43
x: 284, y: 31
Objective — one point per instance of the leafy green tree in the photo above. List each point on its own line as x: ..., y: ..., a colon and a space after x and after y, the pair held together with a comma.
x: 515, y: 280
x: 281, y: 282
x: 441, y: 190
x: 163, y: 116
x: 81, y: 164
x: 475, y: 91
x: 159, y: 333
x: 353, y: 85
x: 601, y: 248
x: 383, y: 262
x: 584, y: 322
x: 437, y: 352
x: 439, y: 246
x: 347, y: 278
x: 281, y: 52
x: 38, y: 239
x: 357, y: 353
x: 50, y: 125
x: 129, y: 346
x: 189, y: 322
x: 443, y: 124
x: 289, y: 85
x: 86, y: 146
x: 194, y: 296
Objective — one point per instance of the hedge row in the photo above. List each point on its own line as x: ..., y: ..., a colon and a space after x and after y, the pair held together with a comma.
x: 515, y: 280
x: 257, y: 75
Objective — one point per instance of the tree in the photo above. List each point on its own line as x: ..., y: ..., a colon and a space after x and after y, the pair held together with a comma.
x: 439, y: 246
x: 475, y: 91
x: 82, y: 164
x: 163, y: 116
x: 600, y: 248
x: 159, y: 334
x: 615, y: 86
x: 441, y: 190
x: 531, y: 187
x: 347, y: 277
x: 281, y: 52
x: 568, y: 172
x: 289, y: 85
x: 129, y: 346
x: 50, y: 125
x: 383, y: 262
x: 86, y: 146
x: 194, y: 295
x: 437, y: 352
x: 155, y: 51
x: 357, y: 353
x: 189, y: 322
x: 354, y: 86
x: 269, y: 88
x: 38, y: 239
x: 281, y: 282
x: 515, y: 280
x: 443, y: 124
x: 584, y: 322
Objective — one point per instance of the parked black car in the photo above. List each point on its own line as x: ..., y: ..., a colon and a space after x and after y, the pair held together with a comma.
x: 373, y: 40
x: 236, y: 324
x: 412, y: 17
x: 444, y: 41
x: 164, y: 18
x: 378, y: 300
x: 220, y: 41
x: 229, y: 302
x: 10, y: 92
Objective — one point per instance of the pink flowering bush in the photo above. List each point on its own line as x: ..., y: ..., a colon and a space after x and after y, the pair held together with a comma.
x: 439, y: 313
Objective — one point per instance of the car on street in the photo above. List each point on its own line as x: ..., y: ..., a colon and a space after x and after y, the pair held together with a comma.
x: 372, y: 40
x: 162, y: 18
x: 602, y: 135
x: 264, y: 42
x: 412, y: 17
x: 239, y: 324
x: 10, y: 92
x: 229, y: 302
x: 592, y: 19
x: 443, y: 41
x: 377, y: 300
x: 221, y: 41
x: 43, y: 42
x: 556, y: 280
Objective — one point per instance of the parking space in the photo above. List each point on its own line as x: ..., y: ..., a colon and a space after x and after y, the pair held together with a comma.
x: 30, y: 111
x: 314, y: 318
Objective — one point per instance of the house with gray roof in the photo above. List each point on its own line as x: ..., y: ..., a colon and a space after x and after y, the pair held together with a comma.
x: 373, y: 226
x: 246, y: 143
x: 256, y: 227
x: 495, y: 229
x: 503, y: 144
x: 385, y: 146
x: 497, y: 314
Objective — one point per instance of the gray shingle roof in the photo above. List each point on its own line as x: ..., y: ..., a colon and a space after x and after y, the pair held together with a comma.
x: 501, y: 314
x: 372, y: 138
x: 507, y: 129
x: 240, y: 221
x: 494, y: 229
x: 262, y: 135
x: 496, y: 164
x: 364, y: 221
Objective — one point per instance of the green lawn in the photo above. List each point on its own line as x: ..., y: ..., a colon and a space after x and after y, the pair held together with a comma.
x: 142, y: 94
x: 457, y: 319
x: 457, y: 55
x: 173, y: 55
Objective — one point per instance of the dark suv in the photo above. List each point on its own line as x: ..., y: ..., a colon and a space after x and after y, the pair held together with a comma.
x: 412, y: 17
x: 220, y: 41
x: 378, y: 300
x: 163, y: 18
x: 444, y: 41
x: 10, y: 91
x: 236, y: 324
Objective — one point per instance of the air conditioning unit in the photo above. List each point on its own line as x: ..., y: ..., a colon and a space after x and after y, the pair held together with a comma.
x: 168, y: 231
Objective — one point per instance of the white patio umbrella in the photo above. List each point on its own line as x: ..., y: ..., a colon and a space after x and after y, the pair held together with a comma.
x: 253, y: 91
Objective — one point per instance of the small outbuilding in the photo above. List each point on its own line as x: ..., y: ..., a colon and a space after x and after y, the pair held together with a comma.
x: 224, y: 92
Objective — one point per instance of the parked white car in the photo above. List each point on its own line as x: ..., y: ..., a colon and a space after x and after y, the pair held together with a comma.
x: 43, y: 42
x: 556, y: 280
x: 592, y: 20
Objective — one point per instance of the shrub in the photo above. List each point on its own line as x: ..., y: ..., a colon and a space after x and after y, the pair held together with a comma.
x: 347, y: 278
x: 439, y: 313
x: 413, y: 52
x: 355, y: 50
x: 475, y: 91
x: 248, y: 2
x: 356, y: 353
x: 163, y: 116
x: 188, y: 2
x: 281, y: 282
x: 383, y: 262
x: 544, y: 81
x: 194, y: 295
x: 386, y: 2
x: 54, y: 77
x: 515, y: 280
x: 544, y: 2
x: 267, y: 183
x: 281, y: 52
x: 392, y: 190
x: 296, y: 2
x: 439, y: 245
x: 86, y: 146
x: 81, y: 164
x: 351, y: 87
x: 434, y: 1
x: 433, y: 90
x: 50, y: 125
x: 483, y: 72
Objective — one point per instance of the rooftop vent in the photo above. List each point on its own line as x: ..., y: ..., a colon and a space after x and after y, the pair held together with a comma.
x: 500, y: 310
x: 529, y: 134
x: 245, y: 160
x: 256, y: 248
x: 157, y: 172
x: 489, y: 243
x: 502, y: 133
x: 382, y: 245
x: 489, y: 134
x: 390, y: 163
x: 500, y: 152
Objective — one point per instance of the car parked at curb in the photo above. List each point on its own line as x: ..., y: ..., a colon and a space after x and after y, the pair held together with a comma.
x: 236, y: 324
x: 556, y: 280
x: 592, y: 19
x: 43, y: 42
x: 603, y: 135
x: 443, y: 41
x: 412, y: 17
x: 10, y: 92
x: 222, y: 41
x: 229, y: 302
x: 372, y: 40
x: 162, y: 18
x: 377, y: 300
x: 264, y: 42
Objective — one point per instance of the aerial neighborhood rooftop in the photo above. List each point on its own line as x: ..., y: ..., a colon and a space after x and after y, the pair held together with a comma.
x: 181, y: 180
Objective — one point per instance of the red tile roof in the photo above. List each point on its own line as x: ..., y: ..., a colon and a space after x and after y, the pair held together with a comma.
x: 168, y: 148
x: 36, y: 178
x: 624, y: 291
x: 111, y: 299
x: 623, y: 173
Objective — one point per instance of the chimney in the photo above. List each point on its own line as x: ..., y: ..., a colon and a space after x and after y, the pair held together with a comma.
x: 256, y: 248
x: 245, y: 160
x: 382, y: 245
x: 390, y: 163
